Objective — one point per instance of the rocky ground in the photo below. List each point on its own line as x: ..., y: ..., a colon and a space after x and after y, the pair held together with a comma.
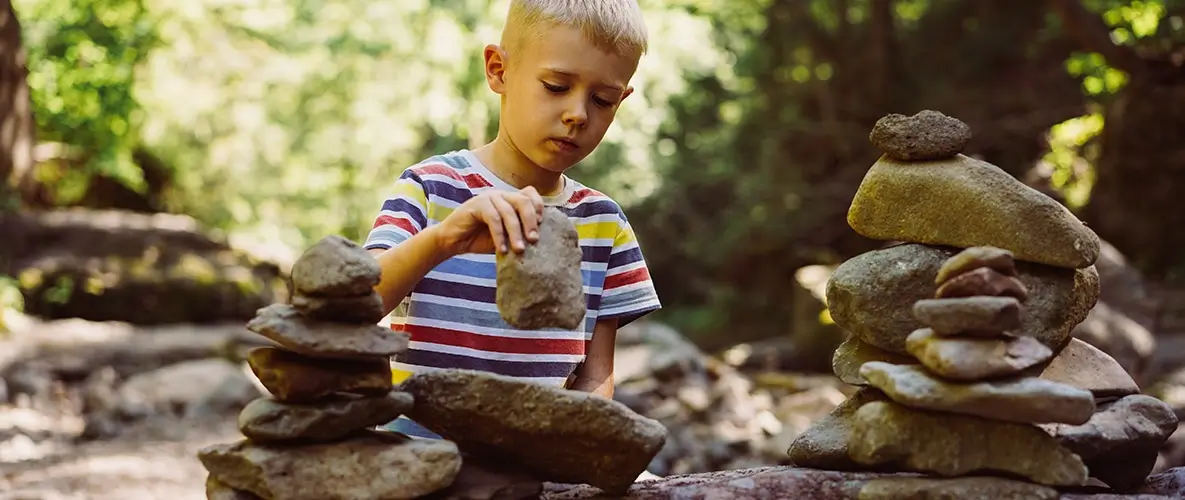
x: 132, y: 429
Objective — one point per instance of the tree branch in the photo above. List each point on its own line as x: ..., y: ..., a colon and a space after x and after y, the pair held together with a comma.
x: 1093, y: 35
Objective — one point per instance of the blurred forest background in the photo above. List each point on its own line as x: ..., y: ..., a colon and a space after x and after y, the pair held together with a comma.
x: 164, y: 160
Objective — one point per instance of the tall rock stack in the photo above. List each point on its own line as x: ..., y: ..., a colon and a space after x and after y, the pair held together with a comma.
x: 960, y: 335
x: 329, y: 381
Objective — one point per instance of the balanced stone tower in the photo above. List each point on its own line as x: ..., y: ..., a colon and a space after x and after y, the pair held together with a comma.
x: 330, y: 385
x: 329, y: 381
x: 960, y: 334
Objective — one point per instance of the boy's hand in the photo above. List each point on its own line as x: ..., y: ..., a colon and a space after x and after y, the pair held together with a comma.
x: 493, y: 221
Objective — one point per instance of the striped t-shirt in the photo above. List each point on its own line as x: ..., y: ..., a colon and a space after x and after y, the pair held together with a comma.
x: 451, y: 314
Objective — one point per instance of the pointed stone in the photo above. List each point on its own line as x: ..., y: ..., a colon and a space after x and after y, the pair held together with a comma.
x: 1084, y: 366
x: 963, y: 202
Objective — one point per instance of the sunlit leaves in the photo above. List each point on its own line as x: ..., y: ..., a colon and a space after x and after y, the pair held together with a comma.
x: 82, y: 58
x: 1070, y: 160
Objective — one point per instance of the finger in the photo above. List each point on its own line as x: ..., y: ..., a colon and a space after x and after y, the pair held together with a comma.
x: 493, y: 220
x: 511, y: 222
x: 536, y: 199
x: 527, y: 215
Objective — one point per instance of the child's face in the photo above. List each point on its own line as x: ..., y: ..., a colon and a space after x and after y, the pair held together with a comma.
x: 560, y: 93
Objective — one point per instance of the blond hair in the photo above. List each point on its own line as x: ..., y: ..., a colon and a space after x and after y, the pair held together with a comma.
x: 612, y: 25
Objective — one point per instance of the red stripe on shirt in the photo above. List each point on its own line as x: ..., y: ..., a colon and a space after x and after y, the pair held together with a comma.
x: 471, y: 180
x: 488, y: 343
x: 627, y: 278
x: 399, y: 222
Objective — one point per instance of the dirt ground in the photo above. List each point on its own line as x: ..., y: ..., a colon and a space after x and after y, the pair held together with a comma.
x: 42, y: 458
x: 158, y: 461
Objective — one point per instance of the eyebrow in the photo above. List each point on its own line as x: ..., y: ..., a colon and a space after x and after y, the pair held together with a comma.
x: 571, y: 74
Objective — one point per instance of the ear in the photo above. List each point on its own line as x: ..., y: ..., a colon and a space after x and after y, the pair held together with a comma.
x: 495, y: 65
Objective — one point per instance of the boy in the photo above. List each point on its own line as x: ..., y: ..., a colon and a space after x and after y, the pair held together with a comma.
x: 562, y: 70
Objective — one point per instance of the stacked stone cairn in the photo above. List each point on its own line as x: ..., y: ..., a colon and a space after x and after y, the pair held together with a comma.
x: 329, y: 381
x: 329, y: 378
x: 960, y: 335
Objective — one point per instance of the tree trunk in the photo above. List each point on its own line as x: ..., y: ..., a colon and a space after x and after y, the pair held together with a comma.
x: 17, y: 128
x: 1137, y: 201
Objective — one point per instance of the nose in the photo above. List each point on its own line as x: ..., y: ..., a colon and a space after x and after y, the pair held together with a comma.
x: 576, y: 113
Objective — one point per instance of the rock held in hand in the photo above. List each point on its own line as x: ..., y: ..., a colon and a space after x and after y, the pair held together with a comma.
x: 543, y: 287
x: 335, y: 267
x: 285, y: 325
x: 927, y: 135
x: 973, y: 258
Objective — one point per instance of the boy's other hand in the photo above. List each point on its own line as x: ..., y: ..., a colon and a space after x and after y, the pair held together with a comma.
x: 493, y: 221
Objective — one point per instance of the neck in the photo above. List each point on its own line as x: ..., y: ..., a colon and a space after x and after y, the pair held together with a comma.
x: 513, y: 167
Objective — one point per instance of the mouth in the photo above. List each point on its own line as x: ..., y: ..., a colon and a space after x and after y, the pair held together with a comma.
x: 565, y: 144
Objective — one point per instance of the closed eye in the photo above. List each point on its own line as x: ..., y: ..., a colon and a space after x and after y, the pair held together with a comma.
x: 554, y: 88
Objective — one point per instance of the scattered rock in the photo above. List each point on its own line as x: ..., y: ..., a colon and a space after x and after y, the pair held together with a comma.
x: 982, y: 281
x: 853, y: 353
x: 285, y: 325
x: 294, y: 378
x: 366, y: 308
x: 1021, y: 400
x: 927, y: 135
x: 369, y: 466
x: 955, y: 445
x: 335, y: 267
x: 543, y: 287
x: 963, y: 202
x: 266, y: 420
x: 873, y: 294
x: 974, y: 316
x: 972, y: 359
x: 1083, y: 366
x: 196, y: 388
x: 917, y: 488
x: 970, y: 259
x: 605, y: 444
x: 1121, y: 441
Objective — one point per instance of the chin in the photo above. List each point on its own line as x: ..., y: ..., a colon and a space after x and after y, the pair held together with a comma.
x: 556, y: 163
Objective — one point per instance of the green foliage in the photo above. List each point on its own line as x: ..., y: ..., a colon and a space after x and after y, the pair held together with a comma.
x: 11, y: 300
x: 83, y: 56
